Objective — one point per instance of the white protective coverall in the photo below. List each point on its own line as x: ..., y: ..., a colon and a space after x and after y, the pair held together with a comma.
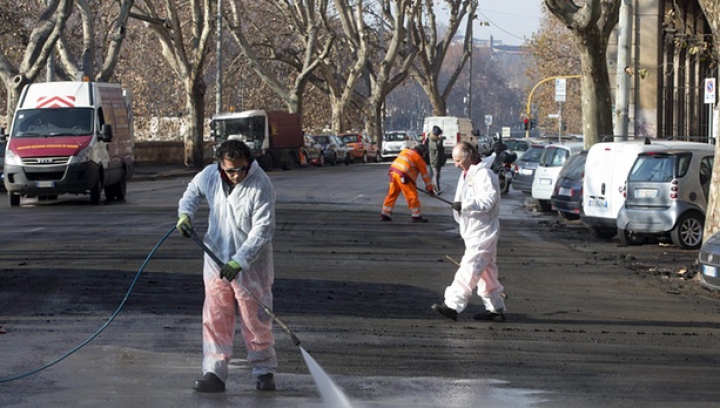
x: 478, y: 191
x: 240, y: 227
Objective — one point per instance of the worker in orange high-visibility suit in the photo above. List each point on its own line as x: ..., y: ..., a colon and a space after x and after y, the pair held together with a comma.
x: 403, y: 175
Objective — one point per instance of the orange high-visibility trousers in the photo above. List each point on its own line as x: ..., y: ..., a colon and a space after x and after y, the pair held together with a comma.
x: 409, y: 190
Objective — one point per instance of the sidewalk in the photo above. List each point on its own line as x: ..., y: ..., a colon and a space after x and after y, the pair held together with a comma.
x: 150, y: 171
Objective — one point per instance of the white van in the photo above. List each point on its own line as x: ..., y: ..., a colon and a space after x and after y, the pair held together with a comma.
x: 551, y: 162
x: 455, y: 129
x: 70, y: 138
x: 606, y: 170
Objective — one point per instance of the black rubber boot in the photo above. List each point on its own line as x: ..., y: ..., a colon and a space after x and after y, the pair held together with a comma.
x: 209, y: 383
x: 265, y: 382
x: 445, y: 311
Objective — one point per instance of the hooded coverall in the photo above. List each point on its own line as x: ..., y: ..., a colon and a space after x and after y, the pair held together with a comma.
x: 406, y: 167
x: 478, y: 191
x: 241, y: 225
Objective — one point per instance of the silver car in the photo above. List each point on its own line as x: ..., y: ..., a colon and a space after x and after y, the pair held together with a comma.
x: 666, y: 193
x: 524, y: 168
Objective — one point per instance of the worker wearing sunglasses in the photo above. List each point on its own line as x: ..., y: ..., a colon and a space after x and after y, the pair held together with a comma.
x: 241, y: 225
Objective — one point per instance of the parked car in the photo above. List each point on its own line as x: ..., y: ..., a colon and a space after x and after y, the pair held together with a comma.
x: 524, y: 168
x: 666, y: 193
x: 551, y: 162
x: 333, y: 150
x: 607, y: 170
x: 567, y: 196
x: 518, y: 145
x: 3, y: 144
x: 394, y: 142
x: 709, y: 259
x: 362, y: 148
x: 313, y: 152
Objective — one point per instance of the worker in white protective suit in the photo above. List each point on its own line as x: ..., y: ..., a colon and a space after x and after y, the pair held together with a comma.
x: 476, y: 209
x: 241, y: 225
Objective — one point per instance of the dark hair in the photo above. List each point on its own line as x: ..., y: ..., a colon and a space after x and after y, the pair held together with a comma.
x: 421, y: 149
x: 233, y: 150
x: 436, y: 130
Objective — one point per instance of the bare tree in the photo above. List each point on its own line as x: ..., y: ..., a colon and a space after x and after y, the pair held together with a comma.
x: 711, y: 8
x: 300, y: 48
x: 186, y: 53
x: 381, y: 77
x: 433, y: 50
x: 109, y: 45
x: 591, y: 25
x: 33, y: 47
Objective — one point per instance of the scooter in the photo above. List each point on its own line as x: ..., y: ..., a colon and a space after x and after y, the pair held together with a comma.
x: 502, y: 166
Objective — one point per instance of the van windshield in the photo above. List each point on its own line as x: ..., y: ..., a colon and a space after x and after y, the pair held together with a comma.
x: 50, y: 122
x: 394, y: 137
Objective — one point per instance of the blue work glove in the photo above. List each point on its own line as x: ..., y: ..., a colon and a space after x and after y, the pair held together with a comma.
x: 184, y: 225
x: 457, y: 206
x: 230, y: 270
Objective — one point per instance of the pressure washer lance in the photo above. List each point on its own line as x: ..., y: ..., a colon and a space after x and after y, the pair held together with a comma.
x: 435, y: 196
x: 193, y: 235
x: 456, y: 263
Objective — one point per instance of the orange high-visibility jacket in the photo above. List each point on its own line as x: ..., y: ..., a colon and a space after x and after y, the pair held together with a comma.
x: 410, y: 163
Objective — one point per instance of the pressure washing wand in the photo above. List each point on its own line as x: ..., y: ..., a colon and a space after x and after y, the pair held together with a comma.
x: 220, y: 263
x: 435, y: 196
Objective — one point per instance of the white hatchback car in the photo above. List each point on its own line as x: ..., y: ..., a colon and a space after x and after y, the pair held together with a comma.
x: 546, y: 174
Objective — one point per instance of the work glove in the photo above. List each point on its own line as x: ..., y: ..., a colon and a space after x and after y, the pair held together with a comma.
x: 430, y: 189
x: 457, y: 206
x: 230, y: 270
x: 184, y: 221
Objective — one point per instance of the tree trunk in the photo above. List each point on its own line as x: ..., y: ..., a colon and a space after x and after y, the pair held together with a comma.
x: 596, y: 100
x: 193, y: 137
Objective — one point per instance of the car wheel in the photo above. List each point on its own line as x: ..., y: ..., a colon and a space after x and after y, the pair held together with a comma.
x: 630, y: 238
x: 504, y: 184
x: 544, y: 205
x: 378, y: 157
x: 364, y: 158
x: 96, y: 191
x: 688, y: 231
x: 348, y: 160
x: 602, y: 233
x: 14, y: 199
x: 333, y: 161
x: 268, y: 161
x: 321, y: 160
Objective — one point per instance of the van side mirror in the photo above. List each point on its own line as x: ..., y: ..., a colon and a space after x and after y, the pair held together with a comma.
x: 106, y: 133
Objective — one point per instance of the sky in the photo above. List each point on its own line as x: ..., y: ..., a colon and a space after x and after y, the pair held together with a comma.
x: 511, y: 21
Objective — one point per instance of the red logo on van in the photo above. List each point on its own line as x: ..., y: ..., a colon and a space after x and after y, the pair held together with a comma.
x: 56, y: 101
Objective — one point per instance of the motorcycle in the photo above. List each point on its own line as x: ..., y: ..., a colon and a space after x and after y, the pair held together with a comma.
x: 502, y: 166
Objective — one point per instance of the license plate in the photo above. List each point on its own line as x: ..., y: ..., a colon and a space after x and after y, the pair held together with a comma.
x: 597, y: 202
x: 565, y: 192
x: 545, y: 181
x: 526, y: 172
x: 45, y: 184
x: 710, y: 271
x: 646, y: 193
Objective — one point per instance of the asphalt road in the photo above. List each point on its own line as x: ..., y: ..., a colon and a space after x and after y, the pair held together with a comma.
x: 590, y: 323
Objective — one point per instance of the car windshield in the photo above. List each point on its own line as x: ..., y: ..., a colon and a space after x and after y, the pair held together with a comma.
x: 553, y: 157
x: 574, y: 167
x: 53, y: 122
x: 349, y: 139
x: 516, y: 145
x: 394, y: 137
x: 652, y: 168
x: 532, y: 154
x: 322, y: 139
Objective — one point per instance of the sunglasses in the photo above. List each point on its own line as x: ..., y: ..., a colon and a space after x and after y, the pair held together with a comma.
x: 236, y: 170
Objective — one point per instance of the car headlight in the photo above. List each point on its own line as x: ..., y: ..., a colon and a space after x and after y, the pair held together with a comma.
x: 12, y: 159
x: 81, y: 156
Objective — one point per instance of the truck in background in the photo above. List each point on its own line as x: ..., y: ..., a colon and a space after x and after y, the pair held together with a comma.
x: 275, y: 137
x: 73, y: 137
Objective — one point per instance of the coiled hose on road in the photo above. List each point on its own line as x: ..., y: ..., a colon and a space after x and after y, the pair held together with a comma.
x: 104, y: 326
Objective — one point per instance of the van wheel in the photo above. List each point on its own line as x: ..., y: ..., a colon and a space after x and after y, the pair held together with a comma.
x: 544, y: 205
x: 568, y: 216
x: 688, y: 231
x: 14, y: 199
x: 602, y: 233
x: 96, y: 192
x: 630, y: 238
